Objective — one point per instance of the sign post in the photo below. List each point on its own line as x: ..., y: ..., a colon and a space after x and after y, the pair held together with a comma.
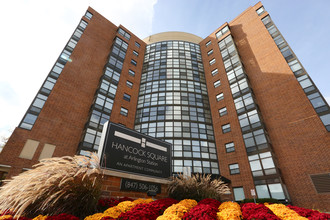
x: 253, y: 193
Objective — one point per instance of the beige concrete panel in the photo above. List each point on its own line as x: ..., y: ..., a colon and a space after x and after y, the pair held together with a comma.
x: 172, y: 35
x: 29, y: 149
x: 47, y: 151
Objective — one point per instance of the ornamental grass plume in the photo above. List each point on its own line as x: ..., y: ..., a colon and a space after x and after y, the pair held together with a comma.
x: 69, y: 185
x: 197, y: 187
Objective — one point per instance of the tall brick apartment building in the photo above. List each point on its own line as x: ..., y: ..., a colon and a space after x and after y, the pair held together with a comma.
x: 237, y: 103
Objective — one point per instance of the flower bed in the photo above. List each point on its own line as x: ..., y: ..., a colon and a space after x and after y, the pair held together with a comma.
x: 309, y: 213
x: 187, y: 209
x: 284, y: 212
x: 257, y: 211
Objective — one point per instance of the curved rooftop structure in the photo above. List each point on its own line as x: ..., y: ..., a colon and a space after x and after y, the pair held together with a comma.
x: 172, y: 35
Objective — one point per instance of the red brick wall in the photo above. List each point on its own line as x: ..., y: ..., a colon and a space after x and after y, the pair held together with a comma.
x: 300, y: 140
x: 239, y: 156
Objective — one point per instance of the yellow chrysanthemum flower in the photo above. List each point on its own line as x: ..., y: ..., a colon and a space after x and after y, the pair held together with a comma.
x: 188, y: 203
x: 176, y: 209
x: 284, y: 212
x: 5, y: 217
x: 40, y: 217
x: 168, y: 217
x: 142, y: 201
x: 96, y: 216
x: 228, y: 213
x: 229, y: 205
x: 126, y: 206
x: 113, y: 212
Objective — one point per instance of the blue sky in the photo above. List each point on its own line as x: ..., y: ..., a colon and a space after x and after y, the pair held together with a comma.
x: 34, y: 32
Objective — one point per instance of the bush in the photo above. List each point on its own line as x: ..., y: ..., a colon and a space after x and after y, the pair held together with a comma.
x: 69, y: 185
x: 264, y: 200
x: 197, y: 187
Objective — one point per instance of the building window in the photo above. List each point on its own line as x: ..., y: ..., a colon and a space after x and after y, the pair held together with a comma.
x: 223, y: 111
x: 226, y: 128
x: 235, y: 74
x: 133, y: 62
x: 255, y: 140
x: 28, y: 121
x: 216, y: 83
x: 135, y: 53
x: 306, y: 83
x: 131, y: 72
x: 317, y: 102
x: 214, y: 72
x: 261, y: 10
x: 208, y: 43
x: 326, y: 121
x: 244, y: 103
x: 124, y: 33
x: 276, y: 191
x: 137, y: 44
x: 83, y: 24
x: 210, y: 52
x: 234, y: 168
x: 219, y: 97
x: 249, y: 120
x: 239, y: 193
x: 222, y: 32
x: 212, y: 62
x: 262, y: 191
x: 295, y: 67
x: 239, y: 87
x: 230, y: 147
x: 129, y: 84
x: 123, y: 111
x: 88, y: 15
x: 127, y: 97
x: 262, y: 164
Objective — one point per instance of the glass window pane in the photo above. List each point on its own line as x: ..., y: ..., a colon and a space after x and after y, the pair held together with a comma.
x: 317, y: 102
x: 239, y: 194
x: 29, y: 118
x: 267, y: 163
x: 255, y: 165
x: 262, y: 191
x: 276, y: 191
x: 325, y: 119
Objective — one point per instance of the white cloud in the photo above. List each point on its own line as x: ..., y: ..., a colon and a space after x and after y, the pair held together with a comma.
x: 134, y: 15
x: 34, y: 33
x: 327, y: 99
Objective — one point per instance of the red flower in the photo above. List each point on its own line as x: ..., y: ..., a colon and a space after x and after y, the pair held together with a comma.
x: 309, y: 213
x: 202, y: 211
x: 211, y: 202
x: 62, y: 216
x: 148, y: 211
x: 257, y: 211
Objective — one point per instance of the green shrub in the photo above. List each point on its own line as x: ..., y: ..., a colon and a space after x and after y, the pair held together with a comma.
x: 268, y: 200
x: 197, y: 187
x: 56, y: 185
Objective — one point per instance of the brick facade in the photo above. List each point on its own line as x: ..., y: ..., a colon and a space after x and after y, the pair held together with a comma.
x: 298, y: 138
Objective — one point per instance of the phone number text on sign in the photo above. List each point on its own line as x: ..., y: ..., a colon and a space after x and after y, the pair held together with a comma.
x: 139, y: 186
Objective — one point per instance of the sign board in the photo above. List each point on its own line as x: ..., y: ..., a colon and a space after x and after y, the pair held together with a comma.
x: 123, y: 149
x: 253, y: 192
x: 139, y: 186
